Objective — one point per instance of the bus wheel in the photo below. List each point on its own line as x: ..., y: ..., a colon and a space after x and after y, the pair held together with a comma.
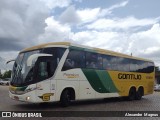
x: 132, y: 94
x: 65, y: 98
x: 139, y: 93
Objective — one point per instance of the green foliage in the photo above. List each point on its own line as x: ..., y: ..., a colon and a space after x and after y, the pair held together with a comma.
x: 6, y: 74
x: 156, y: 68
x: 1, y: 76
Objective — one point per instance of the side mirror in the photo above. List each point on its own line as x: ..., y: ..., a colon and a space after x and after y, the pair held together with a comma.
x: 34, y: 58
x: 10, y: 61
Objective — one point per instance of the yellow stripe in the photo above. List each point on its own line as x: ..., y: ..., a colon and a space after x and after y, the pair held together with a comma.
x: 11, y: 88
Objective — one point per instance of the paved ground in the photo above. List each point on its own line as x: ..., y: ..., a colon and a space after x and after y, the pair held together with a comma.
x: 148, y: 103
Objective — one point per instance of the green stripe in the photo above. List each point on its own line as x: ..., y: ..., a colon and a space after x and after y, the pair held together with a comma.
x: 76, y: 48
x: 100, y: 80
x: 94, y: 80
x: 21, y: 88
x: 106, y: 80
x: 82, y: 49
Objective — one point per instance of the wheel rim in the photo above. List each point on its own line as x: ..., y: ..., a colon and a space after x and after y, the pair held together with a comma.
x: 132, y: 94
x: 68, y: 97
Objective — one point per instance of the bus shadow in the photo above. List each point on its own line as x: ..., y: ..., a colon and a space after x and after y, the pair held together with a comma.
x: 99, y: 101
x: 57, y: 106
x: 38, y: 106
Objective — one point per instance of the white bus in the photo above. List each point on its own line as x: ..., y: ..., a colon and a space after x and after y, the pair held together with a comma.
x: 64, y: 72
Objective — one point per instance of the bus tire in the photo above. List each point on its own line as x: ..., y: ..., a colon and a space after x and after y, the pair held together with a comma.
x: 65, y: 98
x: 139, y: 93
x: 132, y: 94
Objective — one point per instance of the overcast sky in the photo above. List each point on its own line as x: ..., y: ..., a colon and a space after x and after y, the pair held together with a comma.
x: 126, y: 26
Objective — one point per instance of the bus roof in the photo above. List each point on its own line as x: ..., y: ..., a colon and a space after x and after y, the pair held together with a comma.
x: 45, y: 45
x: 86, y: 48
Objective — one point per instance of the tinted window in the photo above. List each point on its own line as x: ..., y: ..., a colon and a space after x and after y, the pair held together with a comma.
x: 133, y: 65
x: 45, y: 68
x: 141, y: 66
x: 100, y: 61
x: 75, y: 59
x: 123, y: 64
x: 81, y: 59
x: 60, y: 52
x: 56, y: 52
x: 42, y: 71
x: 150, y: 67
x: 92, y: 60
x: 49, y: 51
x: 106, y: 63
x: 109, y: 62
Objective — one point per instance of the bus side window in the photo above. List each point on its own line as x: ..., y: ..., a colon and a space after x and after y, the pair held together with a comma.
x: 45, y: 70
x: 42, y: 71
x: 106, y: 62
x: 91, y: 60
x: 100, y: 61
x: 150, y: 67
x: 123, y: 64
x: 75, y: 59
x: 69, y: 63
x: 109, y: 62
x: 113, y: 61
x: 133, y: 65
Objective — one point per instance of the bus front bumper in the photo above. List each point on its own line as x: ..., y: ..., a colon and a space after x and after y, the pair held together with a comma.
x: 27, y: 97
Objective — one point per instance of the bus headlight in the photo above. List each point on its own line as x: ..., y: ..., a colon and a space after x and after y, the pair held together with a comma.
x: 27, y: 98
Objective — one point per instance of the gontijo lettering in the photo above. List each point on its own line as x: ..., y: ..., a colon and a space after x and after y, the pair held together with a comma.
x: 129, y: 76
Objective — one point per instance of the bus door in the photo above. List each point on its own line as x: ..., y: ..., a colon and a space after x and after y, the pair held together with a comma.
x: 44, y: 68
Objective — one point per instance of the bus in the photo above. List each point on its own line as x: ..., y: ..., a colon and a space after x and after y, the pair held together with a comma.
x: 64, y: 71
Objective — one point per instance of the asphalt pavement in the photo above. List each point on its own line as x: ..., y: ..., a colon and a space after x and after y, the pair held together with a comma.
x: 148, y: 103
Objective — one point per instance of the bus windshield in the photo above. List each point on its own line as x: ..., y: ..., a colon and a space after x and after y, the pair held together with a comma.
x: 25, y: 75
x: 21, y: 72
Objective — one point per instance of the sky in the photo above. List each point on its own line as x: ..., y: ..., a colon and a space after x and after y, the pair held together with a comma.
x: 126, y: 26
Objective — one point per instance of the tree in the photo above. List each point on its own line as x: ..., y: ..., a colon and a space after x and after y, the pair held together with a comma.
x: 7, y: 74
x: 156, y: 68
x: 1, y: 74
